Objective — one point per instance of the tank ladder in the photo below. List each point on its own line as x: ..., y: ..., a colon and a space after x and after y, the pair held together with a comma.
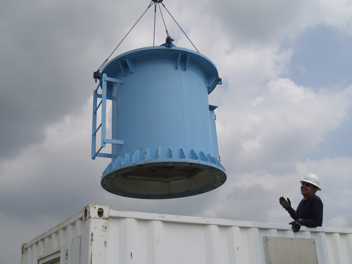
x: 103, y: 96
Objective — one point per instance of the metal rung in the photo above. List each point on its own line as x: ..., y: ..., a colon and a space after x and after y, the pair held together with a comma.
x: 114, y: 141
x: 104, y: 155
x: 98, y: 106
x: 107, y: 97
x: 97, y: 153
x: 97, y: 129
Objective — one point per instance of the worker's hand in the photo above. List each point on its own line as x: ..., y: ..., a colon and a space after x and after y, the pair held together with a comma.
x: 296, y: 225
x: 285, y: 204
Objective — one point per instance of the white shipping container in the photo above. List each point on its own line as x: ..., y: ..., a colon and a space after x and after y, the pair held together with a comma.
x: 100, y: 235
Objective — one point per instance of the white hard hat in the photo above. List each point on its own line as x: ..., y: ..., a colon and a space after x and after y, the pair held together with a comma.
x: 313, y: 179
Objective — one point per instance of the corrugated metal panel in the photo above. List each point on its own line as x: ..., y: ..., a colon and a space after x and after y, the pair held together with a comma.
x: 99, y: 235
x: 291, y: 250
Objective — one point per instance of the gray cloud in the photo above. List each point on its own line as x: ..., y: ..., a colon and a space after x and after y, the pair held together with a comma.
x: 256, y: 22
x: 254, y: 203
x: 49, y: 52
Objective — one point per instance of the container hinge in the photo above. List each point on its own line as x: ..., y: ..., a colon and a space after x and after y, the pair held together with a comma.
x: 102, y: 126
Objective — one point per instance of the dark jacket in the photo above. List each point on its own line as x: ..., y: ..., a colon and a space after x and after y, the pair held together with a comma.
x: 310, y: 211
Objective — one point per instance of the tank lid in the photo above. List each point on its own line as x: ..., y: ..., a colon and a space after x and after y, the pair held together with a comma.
x: 129, y: 57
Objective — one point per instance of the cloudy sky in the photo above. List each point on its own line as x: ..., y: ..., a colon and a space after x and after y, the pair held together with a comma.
x: 284, y: 107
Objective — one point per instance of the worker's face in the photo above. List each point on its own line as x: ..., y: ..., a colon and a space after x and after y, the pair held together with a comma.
x: 308, y: 189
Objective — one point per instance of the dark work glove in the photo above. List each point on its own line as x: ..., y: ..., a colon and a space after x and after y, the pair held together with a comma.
x: 296, y: 225
x: 285, y: 204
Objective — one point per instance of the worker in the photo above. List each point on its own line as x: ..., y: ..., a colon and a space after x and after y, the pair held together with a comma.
x: 309, y: 212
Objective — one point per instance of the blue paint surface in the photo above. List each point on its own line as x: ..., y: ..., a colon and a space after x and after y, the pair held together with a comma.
x: 162, y: 114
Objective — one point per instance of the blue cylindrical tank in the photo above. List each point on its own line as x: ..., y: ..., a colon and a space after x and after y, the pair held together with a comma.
x: 160, y: 112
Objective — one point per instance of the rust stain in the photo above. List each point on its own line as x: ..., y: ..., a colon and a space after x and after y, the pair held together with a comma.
x: 24, y: 247
x: 91, y: 239
x: 105, y: 243
x: 91, y: 247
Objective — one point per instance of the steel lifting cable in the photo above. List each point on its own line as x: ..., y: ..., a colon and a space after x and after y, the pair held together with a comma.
x: 101, y: 66
x: 180, y: 27
x: 154, y: 24
x: 167, y: 32
x: 155, y: 2
x: 162, y: 17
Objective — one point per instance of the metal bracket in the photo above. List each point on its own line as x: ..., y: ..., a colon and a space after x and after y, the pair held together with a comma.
x: 182, y: 59
x: 102, y: 126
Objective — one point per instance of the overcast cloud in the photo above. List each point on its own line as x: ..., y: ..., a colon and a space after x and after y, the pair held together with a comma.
x: 284, y: 107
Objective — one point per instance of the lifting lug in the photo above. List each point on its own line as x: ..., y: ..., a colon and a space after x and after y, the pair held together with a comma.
x: 96, y: 75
